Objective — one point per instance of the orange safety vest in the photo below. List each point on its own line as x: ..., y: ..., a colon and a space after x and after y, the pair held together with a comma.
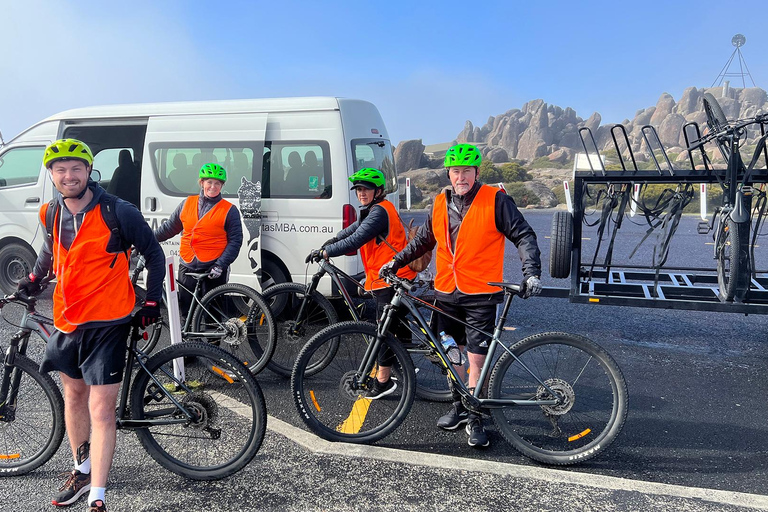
x: 92, y: 285
x: 375, y: 255
x: 479, y: 253
x: 206, y: 238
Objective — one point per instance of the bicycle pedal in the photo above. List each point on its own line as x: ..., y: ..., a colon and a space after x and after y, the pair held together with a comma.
x: 703, y: 227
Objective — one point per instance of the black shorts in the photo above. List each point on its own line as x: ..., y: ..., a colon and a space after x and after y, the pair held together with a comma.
x: 481, y: 316
x: 95, y: 355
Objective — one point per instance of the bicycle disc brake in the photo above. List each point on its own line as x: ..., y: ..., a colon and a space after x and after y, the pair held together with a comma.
x: 565, y: 395
x: 349, y: 386
x: 236, y: 332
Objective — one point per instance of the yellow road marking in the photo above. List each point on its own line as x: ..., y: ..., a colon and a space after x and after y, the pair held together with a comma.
x: 354, y: 421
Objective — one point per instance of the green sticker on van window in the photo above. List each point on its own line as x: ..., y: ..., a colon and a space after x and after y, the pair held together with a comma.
x: 314, y: 181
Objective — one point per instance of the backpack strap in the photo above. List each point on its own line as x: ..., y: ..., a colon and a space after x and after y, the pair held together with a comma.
x: 50, y: 217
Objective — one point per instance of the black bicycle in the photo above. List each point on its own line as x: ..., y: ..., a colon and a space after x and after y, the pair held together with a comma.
x: 735, y: 232
x: 195, y: 408
x: 300, y: 312
x: 232, y: 316
x: 558, y: 398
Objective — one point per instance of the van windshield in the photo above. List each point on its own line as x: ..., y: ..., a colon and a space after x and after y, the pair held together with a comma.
x: 376, y: 153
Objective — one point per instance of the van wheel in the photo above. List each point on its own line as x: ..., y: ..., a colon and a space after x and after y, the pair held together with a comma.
x: 16, y: 262
x: 560, y: 245
x: 271, y: 274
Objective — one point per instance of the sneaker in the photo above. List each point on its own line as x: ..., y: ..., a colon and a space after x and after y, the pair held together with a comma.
x: 476, y: 432
x: 381, y: 390
x: 97, y: 506
x: 76, y: 485
x: 454, y: 418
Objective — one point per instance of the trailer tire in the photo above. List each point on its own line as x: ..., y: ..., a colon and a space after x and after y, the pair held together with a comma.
x: 561, y: 243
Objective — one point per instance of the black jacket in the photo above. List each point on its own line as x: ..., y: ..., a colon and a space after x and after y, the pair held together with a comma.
x: 373, y: 222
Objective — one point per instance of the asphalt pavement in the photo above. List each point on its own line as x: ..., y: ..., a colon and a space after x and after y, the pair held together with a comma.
x: 695, y: 436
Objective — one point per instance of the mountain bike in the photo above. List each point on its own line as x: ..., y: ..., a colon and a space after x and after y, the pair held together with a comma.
x: 732, y: 223
x: 195, y: 408
x: 300, y: 312
x: 558, y: 398
x: 232, y: 316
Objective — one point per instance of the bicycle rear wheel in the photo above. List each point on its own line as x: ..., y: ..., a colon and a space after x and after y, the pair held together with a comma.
x: 578, y: 371
x: 332, y: 402
x: 294, y: 331
x: 236, y: 318
x: 732, y: 254
x: 229, y: 408
x: 31, y: 429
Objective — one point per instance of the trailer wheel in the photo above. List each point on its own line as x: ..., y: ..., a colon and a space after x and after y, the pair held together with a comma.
x: 561, y: 243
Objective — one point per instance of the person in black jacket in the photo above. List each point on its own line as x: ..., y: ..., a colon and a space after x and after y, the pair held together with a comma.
x: 378, y: 234
x: 469, y: 224
x: 211, y: 234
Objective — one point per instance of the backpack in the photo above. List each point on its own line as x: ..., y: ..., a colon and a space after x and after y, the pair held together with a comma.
x: 107, y: 202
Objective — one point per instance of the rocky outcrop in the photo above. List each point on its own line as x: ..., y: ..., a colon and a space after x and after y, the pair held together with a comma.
x: 539, y: 129
x: 409, y: 155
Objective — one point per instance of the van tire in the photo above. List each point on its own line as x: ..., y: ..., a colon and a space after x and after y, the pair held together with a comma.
x: 271, y: 274
x: 561, y: 242
x: 16, y: 262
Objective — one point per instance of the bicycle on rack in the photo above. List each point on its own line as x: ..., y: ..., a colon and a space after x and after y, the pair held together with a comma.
x: 195, y: 408
x: 558, y: 398
x: 232, y: 316
x: 301, y: 312
x: 734, y: 233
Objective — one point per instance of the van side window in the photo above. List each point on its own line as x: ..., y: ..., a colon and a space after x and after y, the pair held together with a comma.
x: 298, y: 169
x: 178, y: 168
x: 21, y: 166
x: 376, y: 153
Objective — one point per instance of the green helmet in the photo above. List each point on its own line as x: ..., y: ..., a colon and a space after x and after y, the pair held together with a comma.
x: 368, y: 176
x: 66, y: 149
x: 214, y: 171
x: 463, y: 155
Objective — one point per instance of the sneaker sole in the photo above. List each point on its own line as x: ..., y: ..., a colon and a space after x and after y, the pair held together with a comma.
x: 454, y: 427
x: 73, y: 499
x: 385, y: 393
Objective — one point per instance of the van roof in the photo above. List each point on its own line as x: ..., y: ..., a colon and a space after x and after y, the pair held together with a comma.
x: 203, y: 107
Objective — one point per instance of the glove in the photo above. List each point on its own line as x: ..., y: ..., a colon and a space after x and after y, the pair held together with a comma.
x: 29, y: 286
x: 215, y: 272
x: 389, y: 268
x: 330, y: 241
x: 147, y: 315
x: 532, y: 287
x: 314, y: 256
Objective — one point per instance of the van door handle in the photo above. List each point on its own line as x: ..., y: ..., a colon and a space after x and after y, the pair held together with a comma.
x: 32, y: 200
x: 151, y: 203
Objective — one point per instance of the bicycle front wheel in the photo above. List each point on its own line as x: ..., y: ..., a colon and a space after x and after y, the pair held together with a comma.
x: 32, y: 424
x: 229, y: 413
x: 332, y: 401
x: 236, y: 318
x: 295, y: 328
x: 732, y: 253
x: 587, y: 382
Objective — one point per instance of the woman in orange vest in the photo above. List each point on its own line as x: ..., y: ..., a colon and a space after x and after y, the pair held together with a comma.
x: 469, y: 224
x: 378, y: 234
x: 211, y: 234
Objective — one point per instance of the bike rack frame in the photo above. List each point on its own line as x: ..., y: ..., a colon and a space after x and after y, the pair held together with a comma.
x: 689, y: 288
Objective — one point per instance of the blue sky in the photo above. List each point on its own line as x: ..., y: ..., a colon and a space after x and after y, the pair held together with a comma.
x: 428, y: 66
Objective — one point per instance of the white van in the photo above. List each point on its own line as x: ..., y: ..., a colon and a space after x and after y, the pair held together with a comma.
x: 302, y: 149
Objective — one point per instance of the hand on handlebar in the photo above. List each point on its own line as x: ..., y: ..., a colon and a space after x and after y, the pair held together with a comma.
x: 389, y: 268
x: 315, y: 255
x: 531, y: 286
x: 30, y: 286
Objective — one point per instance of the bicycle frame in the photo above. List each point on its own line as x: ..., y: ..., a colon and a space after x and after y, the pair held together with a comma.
x: 404, y: 299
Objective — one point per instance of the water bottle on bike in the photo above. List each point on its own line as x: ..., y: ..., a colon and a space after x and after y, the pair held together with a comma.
x: 451, y: 348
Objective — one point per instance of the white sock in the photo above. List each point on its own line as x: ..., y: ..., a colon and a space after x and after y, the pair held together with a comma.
x: 85, y: 467
x: 97, y: 493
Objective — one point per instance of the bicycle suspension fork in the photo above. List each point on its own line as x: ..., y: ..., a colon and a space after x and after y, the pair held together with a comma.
x: 9, y: 385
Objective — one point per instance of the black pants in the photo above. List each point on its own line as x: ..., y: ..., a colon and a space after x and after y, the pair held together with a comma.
x: 206, y: 285
x: 398, y: 328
